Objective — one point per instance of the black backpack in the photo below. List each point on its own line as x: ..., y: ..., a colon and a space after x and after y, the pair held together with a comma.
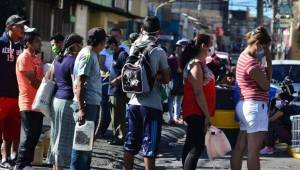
x: 137, y: 72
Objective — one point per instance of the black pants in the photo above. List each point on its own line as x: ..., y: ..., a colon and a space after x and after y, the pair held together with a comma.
x: 31, y: 128
x: 194, y: 143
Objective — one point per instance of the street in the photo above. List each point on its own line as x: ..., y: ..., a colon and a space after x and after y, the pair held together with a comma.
x: 107, y: 156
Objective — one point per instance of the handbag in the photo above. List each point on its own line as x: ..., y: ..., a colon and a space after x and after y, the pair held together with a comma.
x: 217, y: 144
x: 44, y: 95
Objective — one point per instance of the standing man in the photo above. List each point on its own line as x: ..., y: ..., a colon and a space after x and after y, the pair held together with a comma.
x: 106, y: 60
x: 117, y: 97
x: 117, y: 34
x: 145, y: 111
x: 57, y: 42
x: 88, y: 89
x: 10, y: 49
x: 29, y: 71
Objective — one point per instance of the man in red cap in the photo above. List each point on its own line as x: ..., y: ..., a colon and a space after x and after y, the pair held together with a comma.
x: 10, y: 48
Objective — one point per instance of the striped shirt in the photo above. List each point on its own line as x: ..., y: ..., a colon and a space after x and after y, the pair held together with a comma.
x: 248, y: 88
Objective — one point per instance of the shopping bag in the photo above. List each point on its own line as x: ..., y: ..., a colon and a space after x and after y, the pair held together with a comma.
x: 217, y: 144
x: 84, y: 136
x: 43, y: 97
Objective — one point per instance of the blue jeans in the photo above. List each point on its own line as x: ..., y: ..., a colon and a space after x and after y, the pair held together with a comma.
x: 174, y: 106
x: 81, y: 160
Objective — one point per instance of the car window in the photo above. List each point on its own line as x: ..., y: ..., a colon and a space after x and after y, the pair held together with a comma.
x: 281, y: 71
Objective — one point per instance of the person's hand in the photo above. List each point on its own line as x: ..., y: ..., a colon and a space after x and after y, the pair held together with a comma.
x: 114, y: 82
x: 81, y: 117
x: 206, y: 124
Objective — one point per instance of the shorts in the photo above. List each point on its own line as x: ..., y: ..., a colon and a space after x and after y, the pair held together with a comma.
x: 10, y: 119
x: 253, y: 116
x: 144, y: 130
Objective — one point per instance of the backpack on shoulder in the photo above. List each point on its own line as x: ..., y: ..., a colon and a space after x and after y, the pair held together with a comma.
x: 137, y: 72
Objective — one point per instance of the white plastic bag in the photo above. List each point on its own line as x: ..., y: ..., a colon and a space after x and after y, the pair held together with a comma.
x: 84, y: 136
x: 43, y: 97
x: 217, y: 144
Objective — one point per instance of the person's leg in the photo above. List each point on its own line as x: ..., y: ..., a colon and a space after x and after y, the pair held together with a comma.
x: 255, y: 141
x: 10, y: 124
x: 31, y: 128
x: 82, y: 159
x: 196, y: 124
x: 187, y: 145
x: 239, y: 150
x: 121, y: 112
x: 128, y: 161
x: 114, y: 116
x: 12, y: 129
x: 152, y: 124
x: 105, y: 109
x: 171, y: 108
x: 269, y: 139
x: 177, y: 108
x: 134, y: 135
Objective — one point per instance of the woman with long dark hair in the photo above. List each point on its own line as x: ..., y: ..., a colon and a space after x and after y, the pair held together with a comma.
x: 62, y: 121
x: 199, y: 86
x: 254, y: 82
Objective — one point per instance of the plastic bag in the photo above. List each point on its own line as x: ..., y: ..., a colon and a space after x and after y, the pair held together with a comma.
x: 84, y: 136
x: 217, y: 144
x: 43, y: 97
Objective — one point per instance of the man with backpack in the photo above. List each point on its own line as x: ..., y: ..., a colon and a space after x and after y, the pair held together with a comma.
x: 145, y: 108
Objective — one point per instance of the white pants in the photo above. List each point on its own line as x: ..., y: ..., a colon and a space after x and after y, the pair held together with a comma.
x: 253, y: 115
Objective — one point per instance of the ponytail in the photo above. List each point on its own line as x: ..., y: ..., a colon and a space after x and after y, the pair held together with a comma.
x: 189, y: 52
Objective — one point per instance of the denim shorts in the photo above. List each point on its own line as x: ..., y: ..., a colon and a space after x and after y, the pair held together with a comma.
x: 144, y: 130
x: 253, y: 115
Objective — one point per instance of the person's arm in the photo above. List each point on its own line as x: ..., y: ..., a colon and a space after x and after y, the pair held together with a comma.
x: 277, y: 115
x: 26, y: 67
x: 163, y: 74
x: 197, y: 83
x: 84, y: 70
x: 102, y: 59
x: 260, y: 76
x: 30, y: 75
x: 79, y: 93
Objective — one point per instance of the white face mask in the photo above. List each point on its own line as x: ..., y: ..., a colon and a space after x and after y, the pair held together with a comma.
x: 211, y: 51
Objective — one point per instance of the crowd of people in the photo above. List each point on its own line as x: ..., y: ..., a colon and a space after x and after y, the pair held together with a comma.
x: 89, y: 81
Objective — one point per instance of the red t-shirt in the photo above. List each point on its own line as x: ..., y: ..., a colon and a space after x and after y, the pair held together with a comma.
x: 248, y: 88
x: 189, y: 104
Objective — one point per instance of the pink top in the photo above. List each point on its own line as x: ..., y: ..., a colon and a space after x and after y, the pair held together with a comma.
x: 248, y: 88
x: 27, y: 62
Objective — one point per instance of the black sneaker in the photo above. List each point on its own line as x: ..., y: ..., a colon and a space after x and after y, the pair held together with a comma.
x: 13, y: 161
x: 6, y: 165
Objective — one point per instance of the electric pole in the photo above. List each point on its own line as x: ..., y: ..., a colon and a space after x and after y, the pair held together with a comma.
x: 260, y: 13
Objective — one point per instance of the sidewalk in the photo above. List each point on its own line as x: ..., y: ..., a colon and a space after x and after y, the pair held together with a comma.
x: 111, y: 157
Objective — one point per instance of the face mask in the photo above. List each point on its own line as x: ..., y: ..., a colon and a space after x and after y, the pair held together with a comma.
x: 211, y: 51
x: 55, y: 49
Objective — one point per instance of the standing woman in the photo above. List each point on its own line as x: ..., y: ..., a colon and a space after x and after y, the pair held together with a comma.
x: 198, y: 98
x: 62, y: 121
x: 254, y: 83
